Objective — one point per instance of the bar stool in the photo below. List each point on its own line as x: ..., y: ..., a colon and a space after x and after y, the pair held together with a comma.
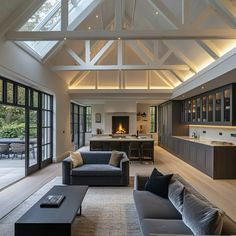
x: 147, y: 151
x: 134, y: 151
x: 114, y: 145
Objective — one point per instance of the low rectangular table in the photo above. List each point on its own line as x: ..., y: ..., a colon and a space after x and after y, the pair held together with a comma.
x: 39, y: 221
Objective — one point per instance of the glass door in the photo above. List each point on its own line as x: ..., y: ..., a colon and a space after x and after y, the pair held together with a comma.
x: 32, y: 142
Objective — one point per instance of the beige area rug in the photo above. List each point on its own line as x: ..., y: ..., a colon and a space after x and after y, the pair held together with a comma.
x: 106, y: 211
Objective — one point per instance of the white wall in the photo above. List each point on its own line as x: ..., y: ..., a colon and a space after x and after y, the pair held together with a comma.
x: 213, y: 133
x: 145, y: 108
x: 19, y: 66
x: 118, y: 108
x: 99, y: 108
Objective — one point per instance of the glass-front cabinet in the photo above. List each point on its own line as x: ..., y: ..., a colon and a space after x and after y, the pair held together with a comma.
x: 216, y: 107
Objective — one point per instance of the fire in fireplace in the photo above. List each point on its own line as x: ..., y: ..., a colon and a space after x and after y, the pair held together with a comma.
x: 120, y: 124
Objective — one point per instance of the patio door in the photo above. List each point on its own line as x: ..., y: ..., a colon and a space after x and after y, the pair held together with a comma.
x: 32, y: 141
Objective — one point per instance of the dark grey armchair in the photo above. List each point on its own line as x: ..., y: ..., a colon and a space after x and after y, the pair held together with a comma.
x: 96, y: 171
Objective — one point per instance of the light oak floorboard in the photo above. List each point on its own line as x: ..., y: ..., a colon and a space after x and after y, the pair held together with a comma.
x: 220, y: 192
x: 18, y: 192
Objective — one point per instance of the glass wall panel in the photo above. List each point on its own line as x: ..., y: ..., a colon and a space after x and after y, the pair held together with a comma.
x: 33, y: 137
x: 35, y: 99
x: 153, y: 119
x: 47, y: 127
x: 78, y: 125
x: 20, y: 95
x: 10, y: 92
x: 31, y: 128
x: 88, y: 119
x: 1, y: 90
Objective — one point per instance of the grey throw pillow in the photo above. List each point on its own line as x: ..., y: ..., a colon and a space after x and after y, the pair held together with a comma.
x: 115, y: 158
x: 176, y: 194
x: 200, y: 217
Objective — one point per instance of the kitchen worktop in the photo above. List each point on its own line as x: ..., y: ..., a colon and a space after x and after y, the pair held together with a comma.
x: 209, y: 142
x: 119, y: 138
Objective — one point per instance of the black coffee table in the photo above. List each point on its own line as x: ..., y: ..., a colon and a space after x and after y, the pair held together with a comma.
x: 39, y: 221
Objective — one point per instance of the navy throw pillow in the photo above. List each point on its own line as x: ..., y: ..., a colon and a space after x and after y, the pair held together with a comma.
x: 159, y: 185
x: 155, y: 173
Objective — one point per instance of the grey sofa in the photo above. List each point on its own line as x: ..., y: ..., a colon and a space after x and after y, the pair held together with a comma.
x: 158, y: 215
x: 96, y: 171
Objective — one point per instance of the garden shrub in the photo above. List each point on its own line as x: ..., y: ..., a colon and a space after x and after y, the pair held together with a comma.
x: 12, y: 131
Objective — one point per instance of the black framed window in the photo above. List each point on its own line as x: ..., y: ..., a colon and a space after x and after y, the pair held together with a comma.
x: 78, y: 125
x: 88, y: 119
x: 10, y: 92
x: 1, y: 90
x: 38, y: 120
x: 47, y: 125
x: 21, y: 95
x: 153, y: 119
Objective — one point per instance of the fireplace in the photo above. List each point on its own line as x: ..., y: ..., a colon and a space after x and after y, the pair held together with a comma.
x: 120, y: 124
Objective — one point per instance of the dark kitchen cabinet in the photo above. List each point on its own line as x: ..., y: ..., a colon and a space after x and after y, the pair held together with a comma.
x: 217, y: 107
x: 169, y: 124
x: 217, y: 162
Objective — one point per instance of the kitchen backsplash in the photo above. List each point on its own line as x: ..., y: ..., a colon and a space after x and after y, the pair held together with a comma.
x: 214, y: 133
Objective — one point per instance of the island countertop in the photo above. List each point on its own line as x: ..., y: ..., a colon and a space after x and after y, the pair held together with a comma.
x: 209, y: 142
x: 123, y: 139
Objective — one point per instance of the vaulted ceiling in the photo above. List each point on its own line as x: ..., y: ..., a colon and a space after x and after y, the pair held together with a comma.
x: 123, y: 44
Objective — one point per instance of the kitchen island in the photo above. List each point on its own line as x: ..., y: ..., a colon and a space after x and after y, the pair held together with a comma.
x: 215, y: 158
x: 123, y: 143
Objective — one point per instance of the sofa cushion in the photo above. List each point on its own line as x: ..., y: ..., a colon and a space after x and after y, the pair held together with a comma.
x: 150, y: 205
x: 159, y: 185
x: 96, y: 170
x: 176, y: 194
x: 115, y: 158
x: 163, y: 226
x: 200, y: 217
x: 76, y: 159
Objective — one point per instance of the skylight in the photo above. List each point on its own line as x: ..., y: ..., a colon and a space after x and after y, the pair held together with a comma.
x: 47, y: 18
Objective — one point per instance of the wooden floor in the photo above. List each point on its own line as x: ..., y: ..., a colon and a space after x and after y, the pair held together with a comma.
x: 15, y: 194
x: 221, y: 192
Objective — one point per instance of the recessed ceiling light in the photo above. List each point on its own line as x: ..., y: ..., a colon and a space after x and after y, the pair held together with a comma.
x: 156, y: 12
x: 203, y: 87
x: 97, y: 16
x: 89, y: 28
x: 118, y: 38
x: 65, y: 38
x: 183, y: 96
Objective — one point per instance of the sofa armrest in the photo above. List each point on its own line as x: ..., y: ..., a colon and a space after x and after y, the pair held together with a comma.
x: 140, y: 181
x: 66, y: 170
x: 124, y: 166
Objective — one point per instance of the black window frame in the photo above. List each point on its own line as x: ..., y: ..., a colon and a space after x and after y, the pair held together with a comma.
x: 78, y: 119
x: 153, y: 119
x: 29, y: 105
x: 88, y: 123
